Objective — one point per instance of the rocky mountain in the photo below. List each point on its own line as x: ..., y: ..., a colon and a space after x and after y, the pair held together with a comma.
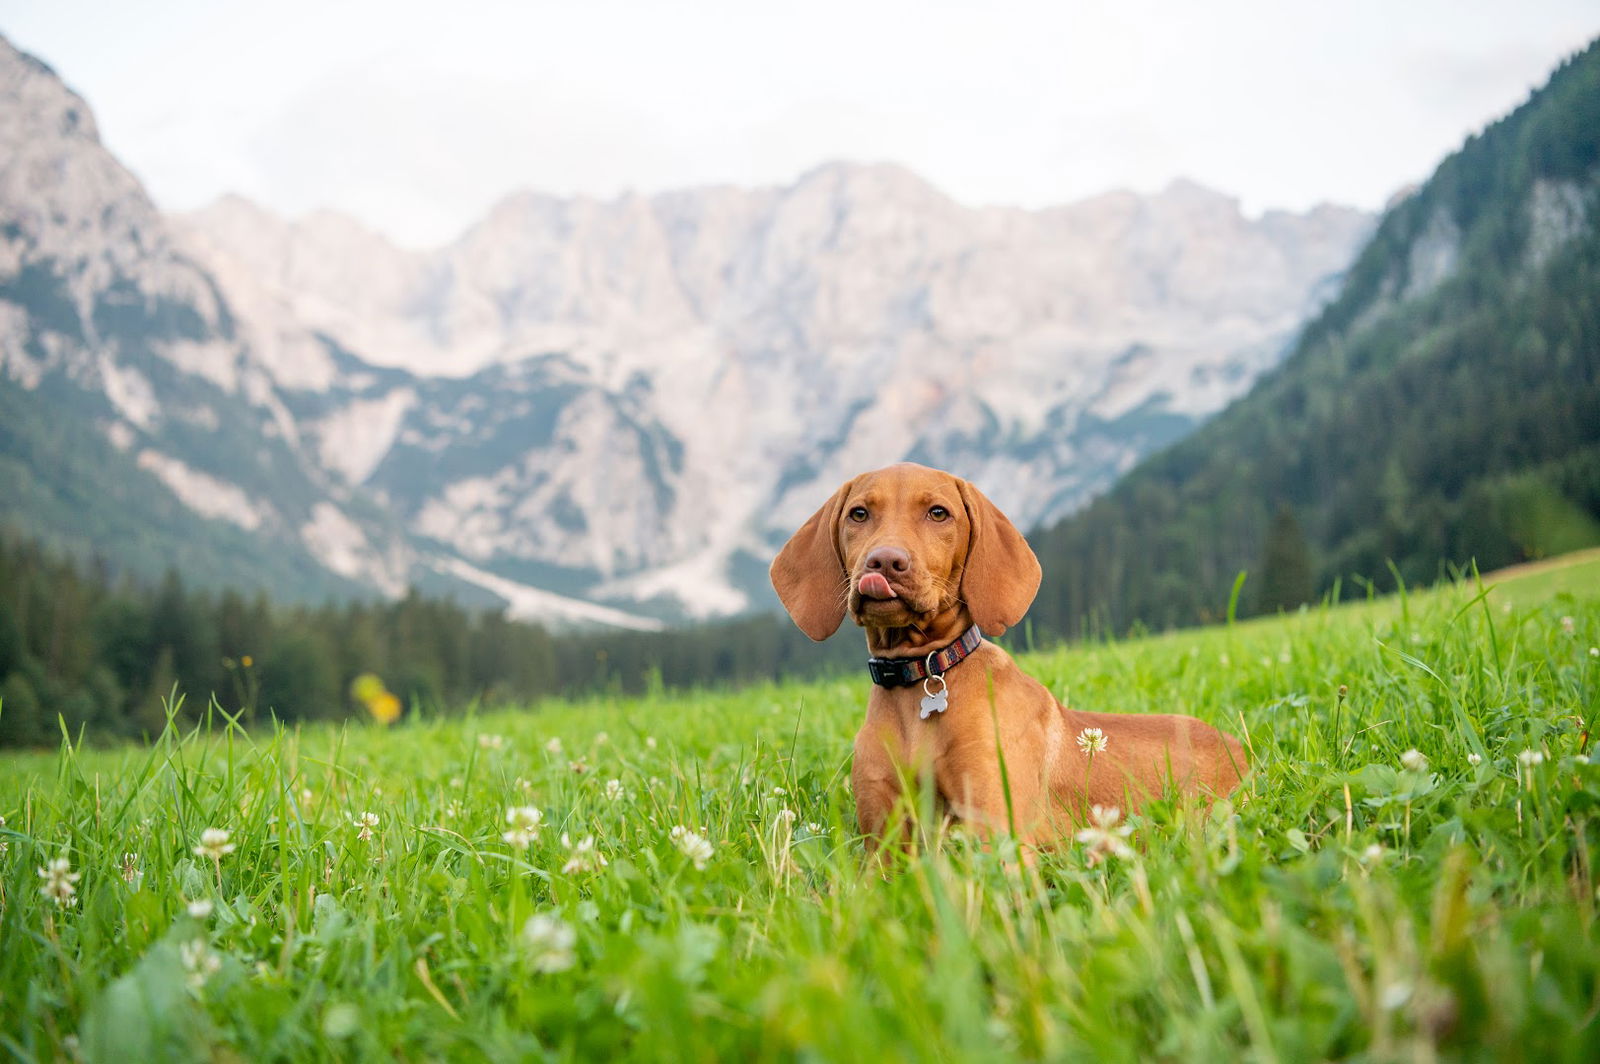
x: 726, y: 356
x: 137, y: 421
x: 592, y: 410
x: 132, y: 408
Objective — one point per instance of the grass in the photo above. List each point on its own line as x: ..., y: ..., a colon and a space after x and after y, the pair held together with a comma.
x: 1342, y: 906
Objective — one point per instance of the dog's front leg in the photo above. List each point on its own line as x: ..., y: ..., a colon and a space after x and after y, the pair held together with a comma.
x: 989, y: 799
x: 875, y: 777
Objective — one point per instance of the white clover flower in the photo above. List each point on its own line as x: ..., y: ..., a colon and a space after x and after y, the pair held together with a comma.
x: 523, y: 785
x: 1103, y: 836
x: 601, y: 738
x: 812, y: 828
x: 549, y: 941
x: 785, y: 817
x: 306, y: 797
x: 366, y: 822
x: 1567, y: 625
x: 580, y: 766
x: 614, y: 790
x: 525, y: 821
x: 456, y: 783
x: 5, y: 844
x: 1414, y: 761
x: 554, y: 745
x: 200, y: 909
x: 1091, y: 741
x: 452, y: 809
x: 778, y: 792
x: 491, y: 742
x: 1531, y: 757
x: 214, y: 844
x: 582, y: 856
x: 650, y: 742
x: 1373, y: 854
x: 696, y: 847
x: 58, y: 879
x: 1594, y: 652
x: 199, y: 962
x: 1474, y: 760
x: 1394, y: 995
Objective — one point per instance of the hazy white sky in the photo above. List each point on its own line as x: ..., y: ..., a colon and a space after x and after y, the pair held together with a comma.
x: 416, y: 117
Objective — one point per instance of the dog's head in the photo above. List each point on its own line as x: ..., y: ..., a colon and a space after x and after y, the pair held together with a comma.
x: 900, y: 546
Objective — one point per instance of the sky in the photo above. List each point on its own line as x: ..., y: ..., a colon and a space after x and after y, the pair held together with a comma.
x: 416, y: 118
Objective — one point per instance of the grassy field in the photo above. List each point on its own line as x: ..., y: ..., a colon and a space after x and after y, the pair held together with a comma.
x: 693, y: 888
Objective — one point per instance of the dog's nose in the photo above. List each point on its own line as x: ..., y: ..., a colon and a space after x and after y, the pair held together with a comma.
x: 888, y: 560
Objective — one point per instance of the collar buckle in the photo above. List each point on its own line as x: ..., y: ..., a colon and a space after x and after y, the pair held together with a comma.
x: 888, y: 672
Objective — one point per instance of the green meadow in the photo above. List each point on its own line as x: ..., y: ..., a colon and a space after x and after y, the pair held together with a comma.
x: 1408, y: 873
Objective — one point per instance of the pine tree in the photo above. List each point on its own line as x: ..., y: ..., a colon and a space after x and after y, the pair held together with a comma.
x: 22, y: 720
x: 1285, y: 565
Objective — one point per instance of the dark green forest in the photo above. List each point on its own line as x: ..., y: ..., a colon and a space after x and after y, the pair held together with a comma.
x: 1419, y: 423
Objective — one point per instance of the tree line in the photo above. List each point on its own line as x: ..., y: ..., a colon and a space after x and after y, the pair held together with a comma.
x: 102, y: 654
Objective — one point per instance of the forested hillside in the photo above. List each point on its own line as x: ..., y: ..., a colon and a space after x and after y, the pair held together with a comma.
x: 1444, y: 409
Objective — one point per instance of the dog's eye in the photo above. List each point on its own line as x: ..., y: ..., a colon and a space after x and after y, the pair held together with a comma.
x: 938, y: 513
x: 858, y: 514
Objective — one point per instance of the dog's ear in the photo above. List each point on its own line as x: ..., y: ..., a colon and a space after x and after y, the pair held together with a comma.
x: 808, y: 572
x: 1001, y: 575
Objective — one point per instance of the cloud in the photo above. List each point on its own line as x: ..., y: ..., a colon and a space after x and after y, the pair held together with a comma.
x: 416, y: 122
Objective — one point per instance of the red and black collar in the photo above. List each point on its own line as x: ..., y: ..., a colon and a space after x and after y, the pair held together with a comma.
x: 903, y: 672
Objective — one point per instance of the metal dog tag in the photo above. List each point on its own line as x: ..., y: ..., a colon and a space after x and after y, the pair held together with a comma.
x: 934, y: 701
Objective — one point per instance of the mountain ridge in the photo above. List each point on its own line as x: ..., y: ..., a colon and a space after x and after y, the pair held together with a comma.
x: 775, y: 308
x: 355, y: 417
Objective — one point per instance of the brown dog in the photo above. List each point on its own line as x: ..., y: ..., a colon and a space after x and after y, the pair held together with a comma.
x: 923, y: 561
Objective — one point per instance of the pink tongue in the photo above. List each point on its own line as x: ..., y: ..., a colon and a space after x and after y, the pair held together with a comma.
x: 875, y: 585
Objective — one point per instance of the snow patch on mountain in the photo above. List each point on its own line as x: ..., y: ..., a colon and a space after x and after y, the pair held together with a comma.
x: 533, y: 604
x: 470, y: 514
x: 341, y: 544
x: 121, y: 435
x: 699, y: 586
x: 130, y: 393
x: 354, y: 439
x: 204, y: 494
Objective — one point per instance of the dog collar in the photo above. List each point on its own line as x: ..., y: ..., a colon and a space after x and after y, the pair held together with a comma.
x: 903, y: 672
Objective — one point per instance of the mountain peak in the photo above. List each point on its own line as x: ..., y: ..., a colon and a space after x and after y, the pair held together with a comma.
x: 37, y: 106
x: 1190, y: 193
